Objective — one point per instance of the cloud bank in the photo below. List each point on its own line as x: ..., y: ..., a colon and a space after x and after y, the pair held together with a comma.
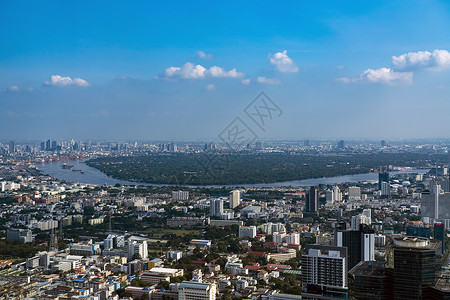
x: 283, y: 62
x: 57, y: 80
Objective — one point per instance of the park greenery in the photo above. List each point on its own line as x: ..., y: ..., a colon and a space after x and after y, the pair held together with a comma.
x: 234, y: 169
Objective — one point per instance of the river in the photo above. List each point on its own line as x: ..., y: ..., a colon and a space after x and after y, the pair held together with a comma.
x: 93, y: 176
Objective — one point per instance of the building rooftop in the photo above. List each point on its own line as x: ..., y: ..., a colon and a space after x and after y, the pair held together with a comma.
x: 369, y: 269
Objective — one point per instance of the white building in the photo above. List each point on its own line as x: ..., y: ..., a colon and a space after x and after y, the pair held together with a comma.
x: 216, y: 207
x: 235, y: 198
x: 247, y: 231
x: 293, y: 238
x: 368, y: 213
x: 324, y: 266
x: 385, y: 189
x: 191, y: 290
x: 136, y: 245
x: 174, y: 255
x: 358, y: 220
x: 354, y: 193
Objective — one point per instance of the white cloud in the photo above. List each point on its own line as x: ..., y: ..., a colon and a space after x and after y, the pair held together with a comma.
x: 191, y: 71
x: 382, y: 75
x: 437, y: 59
x: 220, y: 72
x: 210, y: 87
x: 283, y: 62
x: 13, y: 88
x: 57, y: 80
x: 264, y: 80
x: 245, y: 81
x: 187, y: 71
x: 202, y: 54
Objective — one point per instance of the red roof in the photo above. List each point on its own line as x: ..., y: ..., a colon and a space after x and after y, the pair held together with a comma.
x: 257, y: 253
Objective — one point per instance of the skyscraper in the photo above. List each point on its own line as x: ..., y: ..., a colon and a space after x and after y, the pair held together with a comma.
x: 360, y: 244
x: 312, y: 200
x: 382, y: 177
x: 413, y: 263
x: 341, y: 144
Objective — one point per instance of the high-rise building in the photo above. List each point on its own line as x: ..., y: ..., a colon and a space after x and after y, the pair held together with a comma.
x: 324, y: 272
x: 21, y: 235
x: 360, y: 244
x: 216, y: 207
x: 43, y: 146
x: 382, y: 177
x: 306, y: 143
x: 368, y: 280
x: 385, y: 189
x: 439, y: 234
x: 435, y: 204
x: 368, y: 213
x: 334, y: 195
x: 48, y: 145
x: 192, y: 290
x: 383, y: 143
x: 312, y: 200
x: 341, y: 144
x: 235, y: 198
x: 413, y: 263
x: 420, y: 231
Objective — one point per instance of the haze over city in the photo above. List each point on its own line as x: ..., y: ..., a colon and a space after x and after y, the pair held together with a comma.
x: 184, y: 71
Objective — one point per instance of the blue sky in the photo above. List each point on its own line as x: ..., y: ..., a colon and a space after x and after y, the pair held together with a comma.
x: 185, y: 69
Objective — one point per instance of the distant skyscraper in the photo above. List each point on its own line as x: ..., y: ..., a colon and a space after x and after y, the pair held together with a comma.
x: 235, y: 198
x: 383, y: 143
x: 259, y: 145
x: 312, y: 200
x: 43, y: 146
x: 306, y: 143
x: 382, y: 177
x: 48, y: 145
x: 324, y: 272
x: 341, y: 144
x: 12, y: 147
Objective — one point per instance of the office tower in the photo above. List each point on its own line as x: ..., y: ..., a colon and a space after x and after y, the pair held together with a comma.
x: 312, y: 200
x: 382, y: 177
x: 216, y: 207
x: 368, y: 280
x: 259, y: 145
x: 385, y: 190
x: 329, y: 196
x: 413, y: 263
x: 383, y: 143
x: 439, y: 234
x: 235, y: 198
x: 43, y: 146
x: 53, y: 146
x: 306, y: 143
x: 180, y: 195
x: 354, y: 193
x: 435, y: 204
x: 360, y: 243
x: 341, y: 144
x: 324, y: 272
x: 192, y: 290
x: 12, y: 147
